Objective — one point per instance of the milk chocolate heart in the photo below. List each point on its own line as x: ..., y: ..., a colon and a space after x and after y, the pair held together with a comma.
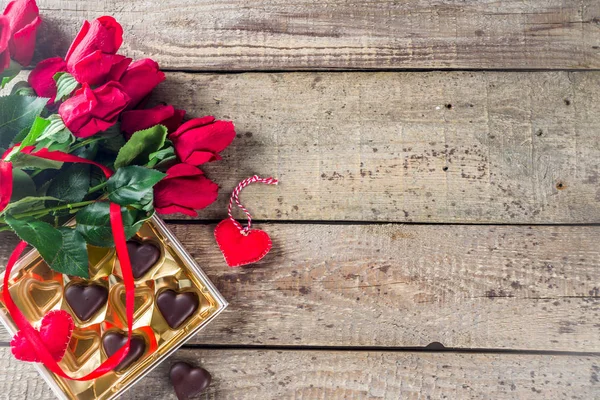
x: 187, y: 380
x: 85, y: 299
x: 176, y: 308
x: 143, y: 256
x: 113, y: 341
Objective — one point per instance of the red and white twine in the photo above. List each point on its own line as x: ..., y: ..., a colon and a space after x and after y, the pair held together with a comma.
x: 235, y: 197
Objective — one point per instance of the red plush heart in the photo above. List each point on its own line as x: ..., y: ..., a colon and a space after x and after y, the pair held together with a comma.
x: 55, y: 331
x: 238, y: 248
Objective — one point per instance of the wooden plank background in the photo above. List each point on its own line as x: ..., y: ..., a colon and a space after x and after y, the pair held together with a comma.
x: 279, y: 374
x: 416, y: 206
x: 247, y: 35
x: 495, y: 287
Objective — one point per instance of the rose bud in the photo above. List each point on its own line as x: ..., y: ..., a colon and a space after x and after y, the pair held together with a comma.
x: 183, y: 190
x: 91, y: 111
x: 140, y: 78
x: 4, y: 38
x: 200, y: 140
x: 24, y: 19
x: 137, y: 120
x: 41, y: 79
x: 92, y: 57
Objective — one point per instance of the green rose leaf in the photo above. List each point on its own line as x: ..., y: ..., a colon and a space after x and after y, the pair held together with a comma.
x: 143, y: 143
x: 129, y: 185
x: 17, y: 113
x: 72, y: 256
x: 63, y: 249
x: 65, y: 84
x: 93, y: 222
x: 22, y: 88
x: 28, y: 203
x: 56, y: 131
x: 161, y: 157
x: 71, y: 184
x: 38, y: 127
x: 23, y: 185
x: 9, y: 73
x: 27, y: 161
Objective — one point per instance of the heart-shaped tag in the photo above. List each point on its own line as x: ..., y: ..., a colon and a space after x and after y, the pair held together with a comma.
x: 188, y: 381
x: 55, y: 331
x: 240, y: 247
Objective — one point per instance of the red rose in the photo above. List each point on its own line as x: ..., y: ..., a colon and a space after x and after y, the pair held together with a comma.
x: 140, y: 78
x: 41, y: 79
x: 137, y: 120
x: 200, y: 140
x: 92, y: 57
x: 4, y: 38
x: 91, y: 111
x: 183, y: 190
x: 24, y: 19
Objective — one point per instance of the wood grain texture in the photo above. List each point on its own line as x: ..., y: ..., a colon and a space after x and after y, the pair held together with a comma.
x: 269, y: 374
x: 422, y: 147
x: 331, y: 34
x: 535, y: 288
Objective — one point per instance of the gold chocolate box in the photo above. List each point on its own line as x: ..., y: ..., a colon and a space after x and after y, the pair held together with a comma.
x: 36, y: 290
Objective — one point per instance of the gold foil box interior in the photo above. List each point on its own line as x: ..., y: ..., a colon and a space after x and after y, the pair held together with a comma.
x: 37, y: 290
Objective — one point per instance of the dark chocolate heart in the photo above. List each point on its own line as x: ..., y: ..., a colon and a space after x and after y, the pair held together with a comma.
x: 176, y: 308
x: 85, y: 299
x: 113, y: 341
x: 143, y: 256
x: 187, y: 380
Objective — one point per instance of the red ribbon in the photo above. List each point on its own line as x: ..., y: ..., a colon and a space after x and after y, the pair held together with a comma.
x: 120, y: 239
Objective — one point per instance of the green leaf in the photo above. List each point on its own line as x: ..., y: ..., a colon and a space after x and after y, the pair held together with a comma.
x: 38, y: 127
x: 63, y: 249
x: 93, y: 222
x: 71, y: 184
x: 27, y: 161
x: 23, y: 185
x: 129, y: 185
x: 72, y: 256
x: 57, y: 131
x: 161, y: 156
x: 65, y: 85
x: 22, y: 88
x: 26, y: 204
x: 9, y: 73
x: 17, y: 113
x: 143, y: 143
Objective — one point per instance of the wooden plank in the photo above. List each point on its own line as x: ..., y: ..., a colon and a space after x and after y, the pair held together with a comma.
x: 505, y: 287
x: 518, y: 147
x: 418, y: 147
x: 270, y: 374
x: 329, y: 34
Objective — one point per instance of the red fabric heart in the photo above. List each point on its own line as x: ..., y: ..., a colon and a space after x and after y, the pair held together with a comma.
x: 55, y: 331
x: 238, y: 248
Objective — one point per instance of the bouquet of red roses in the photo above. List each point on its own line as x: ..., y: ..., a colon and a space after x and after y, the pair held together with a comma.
x: 78, y: 116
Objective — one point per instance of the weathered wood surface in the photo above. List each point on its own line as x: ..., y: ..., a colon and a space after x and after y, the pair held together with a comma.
x: 423, y: 147
x: 270, y: 374
x: 508, y: 287
x: 475, y: 147
x: 329, y: 34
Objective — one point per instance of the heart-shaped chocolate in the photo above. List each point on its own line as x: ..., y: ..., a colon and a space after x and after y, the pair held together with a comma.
x: 175, y: 307
x: 113, y: 341
x: 187, y: 380
x: 85, y: 299
x: 143, y: 256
